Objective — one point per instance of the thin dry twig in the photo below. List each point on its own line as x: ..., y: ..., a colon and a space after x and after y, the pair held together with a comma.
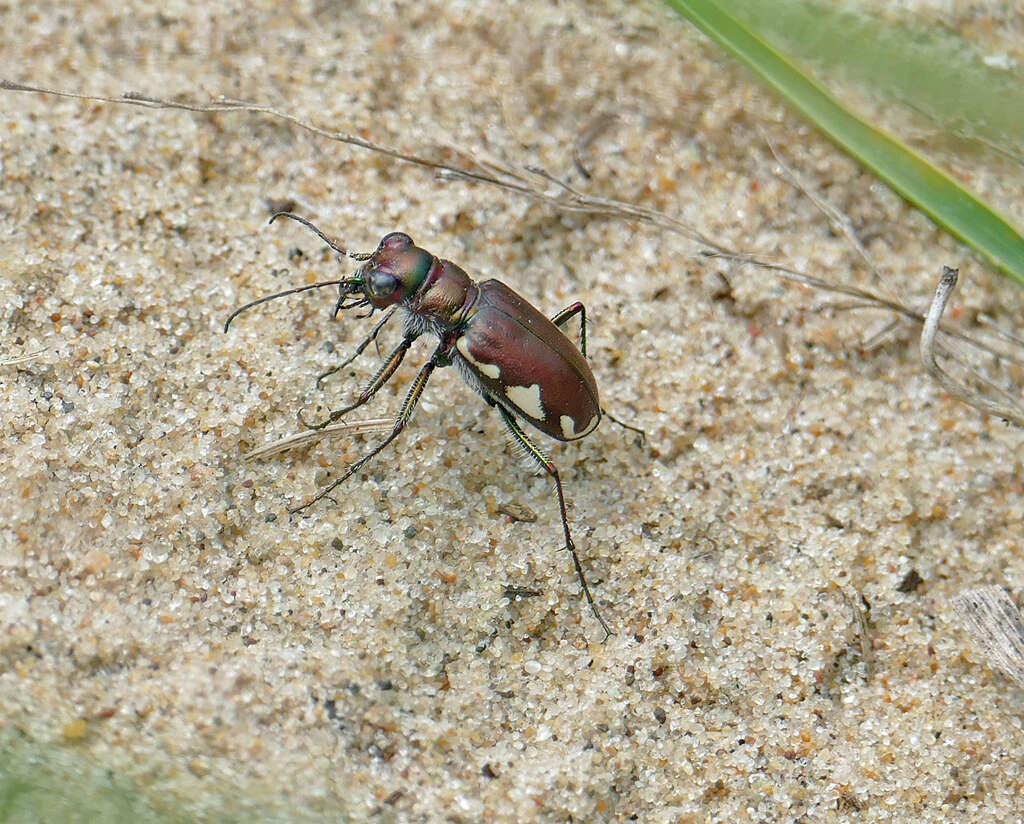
x: 334, y: 430
x: 521, y: 181
x: 865, y: 298
x: 996, y: 626
x: 541, y: 186
x: 840, y: 222
x: 1006, y: 409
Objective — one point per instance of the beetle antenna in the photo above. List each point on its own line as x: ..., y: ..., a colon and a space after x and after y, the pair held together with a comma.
x: 297, y: 289
x: 339, y: 249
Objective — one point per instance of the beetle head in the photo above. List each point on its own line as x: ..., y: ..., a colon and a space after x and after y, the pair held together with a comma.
x: 392, y: 273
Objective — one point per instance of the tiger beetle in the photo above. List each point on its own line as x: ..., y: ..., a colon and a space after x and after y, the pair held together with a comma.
x: 517, y: 359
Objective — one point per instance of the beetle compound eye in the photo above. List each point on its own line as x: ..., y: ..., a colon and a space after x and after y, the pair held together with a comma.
x: 380, y: 285
x: 396, y: 240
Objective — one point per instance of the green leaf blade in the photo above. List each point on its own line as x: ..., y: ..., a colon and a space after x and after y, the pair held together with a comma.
x: 951, y: 206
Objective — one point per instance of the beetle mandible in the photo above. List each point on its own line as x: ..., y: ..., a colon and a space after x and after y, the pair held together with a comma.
x: 517, y: 359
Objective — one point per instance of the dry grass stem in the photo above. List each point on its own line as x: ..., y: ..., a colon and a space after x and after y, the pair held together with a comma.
x: 540, y: 185
x: 26, y: 358
x: 333, y: 431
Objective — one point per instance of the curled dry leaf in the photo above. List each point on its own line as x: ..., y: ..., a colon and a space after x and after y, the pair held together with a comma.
x: 996, y: 626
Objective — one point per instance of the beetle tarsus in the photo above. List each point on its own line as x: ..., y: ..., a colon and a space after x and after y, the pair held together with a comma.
x: 309, y: 425
x: 583, y: 580
x: 624, y: 425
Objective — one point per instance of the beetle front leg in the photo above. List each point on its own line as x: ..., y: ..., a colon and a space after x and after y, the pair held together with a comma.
x: 404, y: 414
x: 372, y: 388
x: 552, y: 470
x: 371, y: 338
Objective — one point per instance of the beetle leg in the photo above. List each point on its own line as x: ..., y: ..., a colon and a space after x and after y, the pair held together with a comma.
x: 382, y: 377
x: 624, y: 425
x: 545, y: 464
x: 404, y: 414
x: 579, y: 309
x: 371, y: 338
x: 576, y: 309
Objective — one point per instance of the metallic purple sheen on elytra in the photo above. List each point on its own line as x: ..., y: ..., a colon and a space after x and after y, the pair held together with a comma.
x: 519, y: 355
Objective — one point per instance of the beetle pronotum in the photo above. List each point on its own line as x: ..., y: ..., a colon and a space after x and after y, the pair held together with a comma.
x: 517, y: 359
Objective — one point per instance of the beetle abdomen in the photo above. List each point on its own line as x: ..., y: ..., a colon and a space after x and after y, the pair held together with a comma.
x: 526, y: 364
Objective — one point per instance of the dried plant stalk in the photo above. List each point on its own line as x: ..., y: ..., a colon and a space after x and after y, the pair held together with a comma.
x: 539, y: 185
x: 26, y: 358
x: 1007, y: 408
x: 333, y: 431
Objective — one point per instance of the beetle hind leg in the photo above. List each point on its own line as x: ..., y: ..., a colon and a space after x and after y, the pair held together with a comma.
x: 534, y: 452
x: 569, y: 311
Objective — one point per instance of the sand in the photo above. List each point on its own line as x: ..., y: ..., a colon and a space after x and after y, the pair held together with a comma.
x: 778, y: 558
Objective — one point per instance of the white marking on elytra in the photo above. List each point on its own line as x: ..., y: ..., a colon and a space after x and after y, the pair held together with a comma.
x: 589, y: 427
x: 489, y: 369
x: 568, y: 426
x: 527, y: 400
